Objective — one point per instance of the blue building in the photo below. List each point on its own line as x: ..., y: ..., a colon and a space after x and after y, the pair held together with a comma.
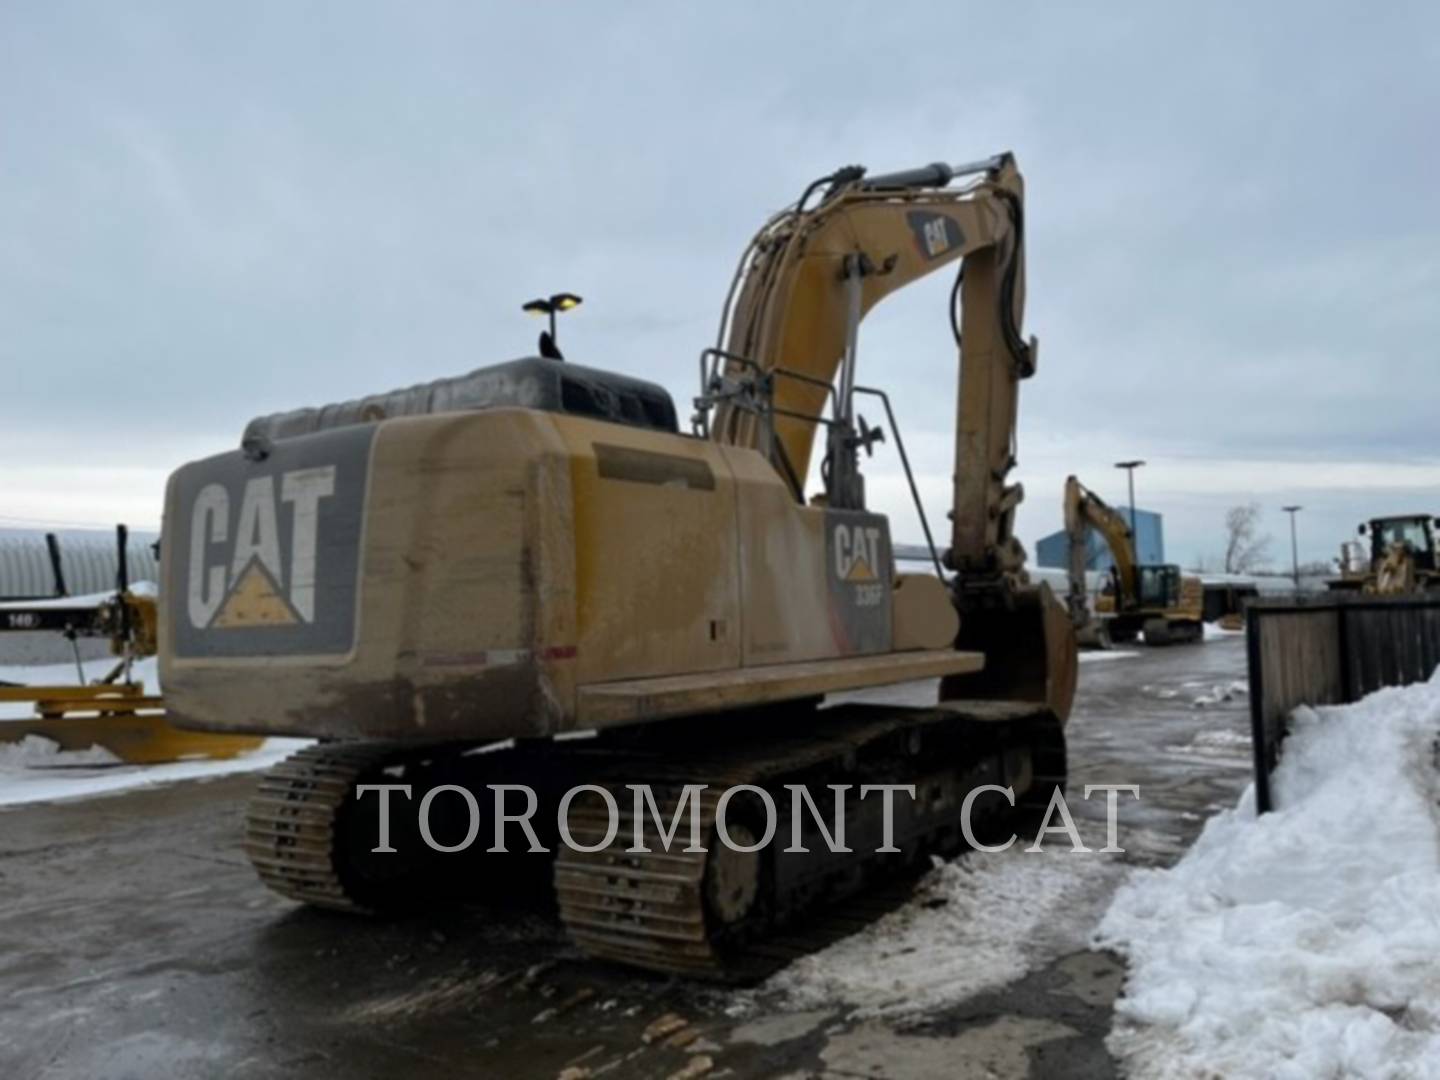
x: 1054, y: 550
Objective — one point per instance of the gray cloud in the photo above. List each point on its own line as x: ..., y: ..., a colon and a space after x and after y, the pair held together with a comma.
x: 1232, y: 211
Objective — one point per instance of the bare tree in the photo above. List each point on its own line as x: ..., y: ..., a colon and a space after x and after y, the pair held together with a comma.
x: 1246, y: 548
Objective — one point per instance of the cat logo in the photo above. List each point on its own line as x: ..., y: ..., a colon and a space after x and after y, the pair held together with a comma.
x: 936, y: 242
x: 857, y: 552
x: 935, y: 234
x: 258, y: 584
x: 262, y: 555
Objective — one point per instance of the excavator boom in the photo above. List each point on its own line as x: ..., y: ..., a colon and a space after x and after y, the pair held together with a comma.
x: 791, y: 331
x: 810, y: 276
x: 1084, y: 510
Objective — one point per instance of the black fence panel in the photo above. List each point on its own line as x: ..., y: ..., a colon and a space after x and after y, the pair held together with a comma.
x: 1330, y: 650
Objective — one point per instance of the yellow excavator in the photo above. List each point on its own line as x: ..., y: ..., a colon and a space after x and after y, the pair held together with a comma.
x: 1153, y: 599
x: 1403, y: 558
x: 536, y: 549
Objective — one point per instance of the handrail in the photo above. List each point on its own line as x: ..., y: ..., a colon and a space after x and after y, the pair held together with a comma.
x: 909, y: 475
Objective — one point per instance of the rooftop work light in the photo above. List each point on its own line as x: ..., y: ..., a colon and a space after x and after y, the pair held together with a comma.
x: 563, y: 301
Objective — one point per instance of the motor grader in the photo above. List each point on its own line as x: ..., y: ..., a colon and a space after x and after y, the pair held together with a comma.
x: 114, y: 712
x: 536, y: 549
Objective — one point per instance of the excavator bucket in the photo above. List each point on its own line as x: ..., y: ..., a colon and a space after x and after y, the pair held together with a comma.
x: 1030, y: 653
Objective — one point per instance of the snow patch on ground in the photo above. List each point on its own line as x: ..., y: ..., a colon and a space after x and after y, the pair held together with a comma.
x: 977, y: 923
x: 1220, y: 742
x: 1221, y: 693
x: 1218, y: 633
x: 35, y: 752
x: 44, y: 774
x: 1302, y: 943
x: 33, y: 769
x: 1105, y: 654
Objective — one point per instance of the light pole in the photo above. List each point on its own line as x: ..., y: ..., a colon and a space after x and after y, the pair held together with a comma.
x: 1130, y: 467
x: 1294, y: 548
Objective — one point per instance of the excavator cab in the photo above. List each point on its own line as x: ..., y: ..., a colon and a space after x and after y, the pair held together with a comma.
x: 1156, y: 586
x: 1159, y: 585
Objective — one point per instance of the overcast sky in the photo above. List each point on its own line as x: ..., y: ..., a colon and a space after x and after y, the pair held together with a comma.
x: 209, y: 212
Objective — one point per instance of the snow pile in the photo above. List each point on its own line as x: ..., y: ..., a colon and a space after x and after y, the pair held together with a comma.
x: 35, y: 752
x: 1303, y: 943
x: 974, y: 924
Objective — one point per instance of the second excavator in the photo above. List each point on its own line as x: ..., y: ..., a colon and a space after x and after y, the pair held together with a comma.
x: 536, y: 550
x: 1153, y: 599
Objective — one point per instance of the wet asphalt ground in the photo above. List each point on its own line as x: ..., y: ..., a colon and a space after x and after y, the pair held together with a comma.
x: 135, y: 941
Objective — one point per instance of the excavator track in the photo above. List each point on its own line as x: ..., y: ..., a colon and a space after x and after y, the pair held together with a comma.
x: 1163, y: 631
x: 294, y: 819
x: 716, y: 913
x: 721, y: 914
x: 311, y: 838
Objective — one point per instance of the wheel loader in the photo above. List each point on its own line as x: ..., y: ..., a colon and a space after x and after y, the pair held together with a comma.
x: 1403, y: 558
x: 447, y: 583
x: 1153, y: 599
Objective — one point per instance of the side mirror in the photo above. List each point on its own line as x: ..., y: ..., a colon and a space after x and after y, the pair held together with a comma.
x: 1362, y: 530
